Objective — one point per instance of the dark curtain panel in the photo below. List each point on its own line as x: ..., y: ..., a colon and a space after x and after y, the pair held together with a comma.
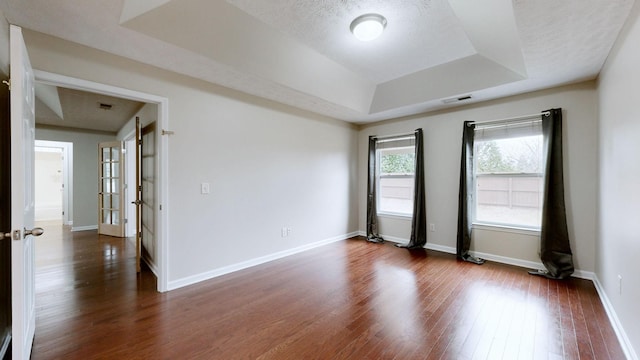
x: 419, y: 219
x: 465, y: 196
x: 372, y: 213
x: 555, y: 250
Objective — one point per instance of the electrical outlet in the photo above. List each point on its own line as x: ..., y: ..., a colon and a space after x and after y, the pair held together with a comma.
x: 432, y: 227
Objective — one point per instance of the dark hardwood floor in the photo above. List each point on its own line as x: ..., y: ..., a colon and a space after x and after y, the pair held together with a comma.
x: 347, y: 300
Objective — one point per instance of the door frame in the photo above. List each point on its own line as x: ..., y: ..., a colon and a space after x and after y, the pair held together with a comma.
x: 67, y: 176
x: 162, y: 190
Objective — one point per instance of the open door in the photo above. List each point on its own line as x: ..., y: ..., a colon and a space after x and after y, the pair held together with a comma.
x: 22, y: 198
x: 111, y: 193
x: 138, y: 201
x: 148, y: 157
x: 5, y: 222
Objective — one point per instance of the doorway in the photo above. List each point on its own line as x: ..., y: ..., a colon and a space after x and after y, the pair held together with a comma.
x: 160, y: 188
x: 53, y: 181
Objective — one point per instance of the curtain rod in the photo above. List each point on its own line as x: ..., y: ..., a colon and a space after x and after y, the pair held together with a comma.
x: 523, y: 117
x: 394, y: 135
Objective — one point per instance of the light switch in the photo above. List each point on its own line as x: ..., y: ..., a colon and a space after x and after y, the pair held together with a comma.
x: 204, y: 188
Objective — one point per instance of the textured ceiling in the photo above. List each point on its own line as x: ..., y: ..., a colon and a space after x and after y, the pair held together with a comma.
x: 300, y: 52
x: 404, y: 48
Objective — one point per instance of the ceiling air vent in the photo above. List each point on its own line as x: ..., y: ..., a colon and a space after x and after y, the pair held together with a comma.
x: 104, y: 106
x: 456, y: 99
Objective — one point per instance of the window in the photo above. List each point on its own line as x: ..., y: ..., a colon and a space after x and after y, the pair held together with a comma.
x: 395, y: 176
x: 509, y: 174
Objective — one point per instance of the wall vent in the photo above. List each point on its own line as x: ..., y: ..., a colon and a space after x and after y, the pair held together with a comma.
x: 104, y: 106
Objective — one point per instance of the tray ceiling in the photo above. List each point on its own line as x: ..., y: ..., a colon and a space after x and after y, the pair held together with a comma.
x: 301, y: 52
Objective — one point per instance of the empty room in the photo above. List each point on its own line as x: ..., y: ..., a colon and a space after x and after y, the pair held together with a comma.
x: 415, y: 179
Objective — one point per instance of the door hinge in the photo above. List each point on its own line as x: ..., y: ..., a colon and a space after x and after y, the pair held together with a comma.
x: 140, y: 188
x: 8, y: 83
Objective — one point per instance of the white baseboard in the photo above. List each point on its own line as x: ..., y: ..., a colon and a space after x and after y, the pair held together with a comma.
x: 627, y: 348
x: 84, y: 228
x: 581, y: 274
x: 152, y: 265
x: 175, y: 284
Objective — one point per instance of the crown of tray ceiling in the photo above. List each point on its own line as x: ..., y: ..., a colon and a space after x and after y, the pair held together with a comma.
x: 302, y: 53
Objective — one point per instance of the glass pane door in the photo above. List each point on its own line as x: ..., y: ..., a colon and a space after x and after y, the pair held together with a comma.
x: 110, y: 189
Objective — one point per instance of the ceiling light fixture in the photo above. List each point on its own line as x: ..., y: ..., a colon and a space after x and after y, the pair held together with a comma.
x: 368, y: 26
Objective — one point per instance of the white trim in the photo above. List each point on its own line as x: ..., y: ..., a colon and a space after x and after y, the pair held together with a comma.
x: 84, y: 228
x: 162, y: 190
x: 152, y: 265
x: 440, y: 248
x: 428, y: 246
x: 505, y: 228
x: 625, y: 343
x: 581, y: 274
x: 398, y: 216
x: 193, y: 279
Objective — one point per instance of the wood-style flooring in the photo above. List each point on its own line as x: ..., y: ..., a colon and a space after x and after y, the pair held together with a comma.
x: 346, y: 300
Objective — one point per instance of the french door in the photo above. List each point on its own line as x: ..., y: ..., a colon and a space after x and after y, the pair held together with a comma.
x: 111, y: 189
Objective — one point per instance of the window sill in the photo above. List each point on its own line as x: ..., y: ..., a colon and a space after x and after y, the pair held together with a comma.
x: 508, y: 229
x: 395, y: 216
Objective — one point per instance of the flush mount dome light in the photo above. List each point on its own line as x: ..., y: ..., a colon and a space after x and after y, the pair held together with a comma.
x: 368, y: 26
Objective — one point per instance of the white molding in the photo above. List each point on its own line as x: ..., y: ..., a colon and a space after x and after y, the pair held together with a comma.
x: 626, y: 345
x: 162, y: 190
x: 152, y: 265
x: 84, y: 228
x: 581, y: 274
x: 193, y: 279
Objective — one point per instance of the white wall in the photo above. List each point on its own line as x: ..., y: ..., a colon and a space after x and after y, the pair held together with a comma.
x: 269, y: 165
x: 48, y: 184
x: 4, y: 44
x: 443, y: 141
x: 85, y: 171
x: 618, y: 246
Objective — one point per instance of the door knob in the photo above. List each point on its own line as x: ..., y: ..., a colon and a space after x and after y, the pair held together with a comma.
x: 37, y: 231
x: 137, y: 202
x: 16, y: 235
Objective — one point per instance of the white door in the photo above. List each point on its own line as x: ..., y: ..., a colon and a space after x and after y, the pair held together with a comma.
x: 22, y: 198
x: 111, y: 194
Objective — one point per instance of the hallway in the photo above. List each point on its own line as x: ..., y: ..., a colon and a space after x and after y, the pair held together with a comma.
x: 86, y: 290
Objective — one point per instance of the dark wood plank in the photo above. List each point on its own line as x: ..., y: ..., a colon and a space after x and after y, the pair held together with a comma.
x: 347, y: 300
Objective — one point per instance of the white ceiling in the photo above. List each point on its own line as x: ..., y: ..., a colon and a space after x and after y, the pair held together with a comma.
x: 76, y: 109
x: 300, y: 52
